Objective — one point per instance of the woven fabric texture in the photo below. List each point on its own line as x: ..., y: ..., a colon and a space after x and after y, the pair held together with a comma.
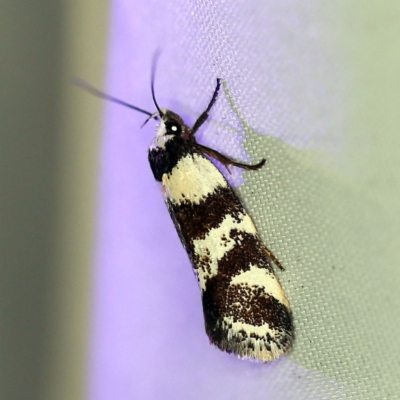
x: 312, y: 87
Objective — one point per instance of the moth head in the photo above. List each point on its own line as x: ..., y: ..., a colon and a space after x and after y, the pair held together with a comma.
x: 171, y: 124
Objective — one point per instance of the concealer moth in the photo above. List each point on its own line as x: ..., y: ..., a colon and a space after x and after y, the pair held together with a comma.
x: 245, y: 309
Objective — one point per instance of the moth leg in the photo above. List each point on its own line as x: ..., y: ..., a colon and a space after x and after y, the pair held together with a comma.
x: 273, y: 258
x: 226, y: 161
x: 204, y: 115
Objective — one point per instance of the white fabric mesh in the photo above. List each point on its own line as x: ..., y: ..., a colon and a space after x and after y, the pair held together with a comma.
x: 326, y: 202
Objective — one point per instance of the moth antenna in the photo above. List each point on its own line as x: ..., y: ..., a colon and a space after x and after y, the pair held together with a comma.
x: 153, y: 74
x: 95, y: 92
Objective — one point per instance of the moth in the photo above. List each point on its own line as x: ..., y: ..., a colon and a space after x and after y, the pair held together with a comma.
x: 245, y: 309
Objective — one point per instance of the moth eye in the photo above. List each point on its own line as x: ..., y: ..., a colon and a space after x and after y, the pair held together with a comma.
x: 173, y: 128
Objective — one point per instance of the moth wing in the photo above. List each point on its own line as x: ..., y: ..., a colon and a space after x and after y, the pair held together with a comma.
x: 245, y: 309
